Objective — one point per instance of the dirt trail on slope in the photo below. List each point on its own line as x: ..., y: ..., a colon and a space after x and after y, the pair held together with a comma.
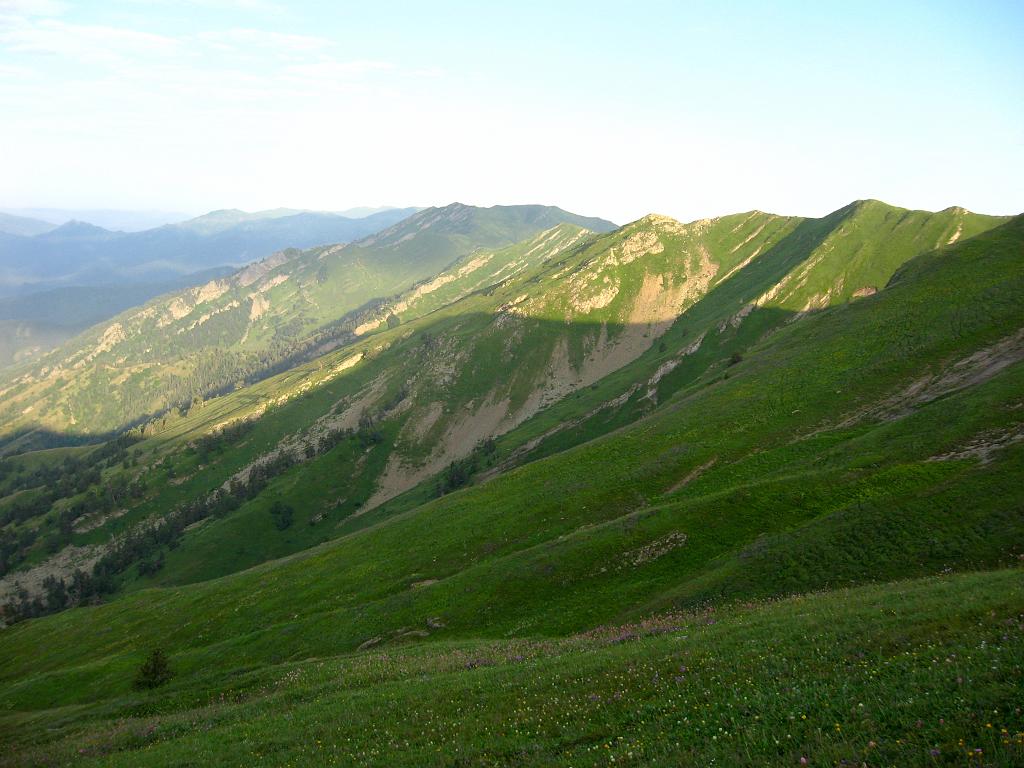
x: 983, y: 445
x: 693, y: 475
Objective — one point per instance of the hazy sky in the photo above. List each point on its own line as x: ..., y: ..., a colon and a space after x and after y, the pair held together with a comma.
x: 615, y: 109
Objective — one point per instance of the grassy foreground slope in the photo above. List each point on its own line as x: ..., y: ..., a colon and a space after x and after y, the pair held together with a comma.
x: 871, y: 441
x: 918, y: 673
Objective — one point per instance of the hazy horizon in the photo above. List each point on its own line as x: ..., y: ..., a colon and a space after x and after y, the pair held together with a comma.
x: 136, y: 220
x: 597, y: 108
x: 161, y: 218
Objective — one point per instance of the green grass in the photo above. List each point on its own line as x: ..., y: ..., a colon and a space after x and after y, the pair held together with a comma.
x: 859, y: 245
x: 836, y: 451
x: 917, y: 673
x: 792, y: 503
x: 467, y: 328
x: 177, y: 346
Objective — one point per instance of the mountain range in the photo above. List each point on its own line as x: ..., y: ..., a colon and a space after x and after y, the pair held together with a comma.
x: 292, y: 305
x: 80, y: 253
x: 536, y: 485
x: 113, y: 219
x: 59, y: 280
x: 34, y: 221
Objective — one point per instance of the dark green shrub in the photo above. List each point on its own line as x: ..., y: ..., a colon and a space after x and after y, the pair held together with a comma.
x: 154, y: 672
x: 282, y: 514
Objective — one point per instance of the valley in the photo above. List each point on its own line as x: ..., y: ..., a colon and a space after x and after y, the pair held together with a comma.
x: 497, y: 385
x: 520, y: 449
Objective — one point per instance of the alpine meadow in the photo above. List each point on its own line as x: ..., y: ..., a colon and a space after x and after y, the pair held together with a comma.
x: 493, y: 483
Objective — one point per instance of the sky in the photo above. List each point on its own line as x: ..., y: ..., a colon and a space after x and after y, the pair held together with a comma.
x: 689, y: 109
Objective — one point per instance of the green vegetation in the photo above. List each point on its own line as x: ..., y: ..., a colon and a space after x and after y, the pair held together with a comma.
x: 433, y: 386
x: 555, y: 512
x: 154, y: 672
x: 912, y: 674
x: 148, y: 364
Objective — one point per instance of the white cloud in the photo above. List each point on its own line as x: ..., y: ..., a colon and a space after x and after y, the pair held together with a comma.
x: 84, y: 42
x: 330, y: 69
x: 261, y: 6
x: 23, y: 8
x: 249, y: 39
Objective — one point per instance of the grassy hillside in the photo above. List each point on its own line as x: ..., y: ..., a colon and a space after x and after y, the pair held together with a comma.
x: 911, y: 674
x: 684, y: 425
x: 509, y: 362
x: 506, y: 356
x: 818, y: 461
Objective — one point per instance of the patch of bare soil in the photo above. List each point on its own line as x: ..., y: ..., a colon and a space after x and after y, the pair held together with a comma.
x: 94, y: 520
x: 982, y: 446
x: 417, y: 429
x: 60, y: 565
x: 969, y: 371
x: 459, y: 439
x: 976, y: 368
x: 649, y: 552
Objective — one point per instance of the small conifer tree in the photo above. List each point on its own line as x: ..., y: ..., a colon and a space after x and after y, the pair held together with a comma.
x: 155, y: 670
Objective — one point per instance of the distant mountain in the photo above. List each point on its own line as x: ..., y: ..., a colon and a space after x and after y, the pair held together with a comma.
x: 226, y: 218
x: 79, y: 253
x: 118, y: 220
x: 97, y: 261
x: 363, y: 211
x: 77, y: 231
x: 21, y: 225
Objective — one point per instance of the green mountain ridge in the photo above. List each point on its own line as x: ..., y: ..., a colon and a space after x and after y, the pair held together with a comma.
x: 542, y: 438
x: 82, y: 258
x: 207, y: 339
x: 33, y: 324
x: 79, y: 253
x: 561, y: 352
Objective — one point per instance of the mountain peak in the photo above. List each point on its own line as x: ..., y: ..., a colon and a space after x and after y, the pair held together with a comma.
x: 655, y: 219
x: 75, y: 228
x: 955, y: 209
x: 868, y: 204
